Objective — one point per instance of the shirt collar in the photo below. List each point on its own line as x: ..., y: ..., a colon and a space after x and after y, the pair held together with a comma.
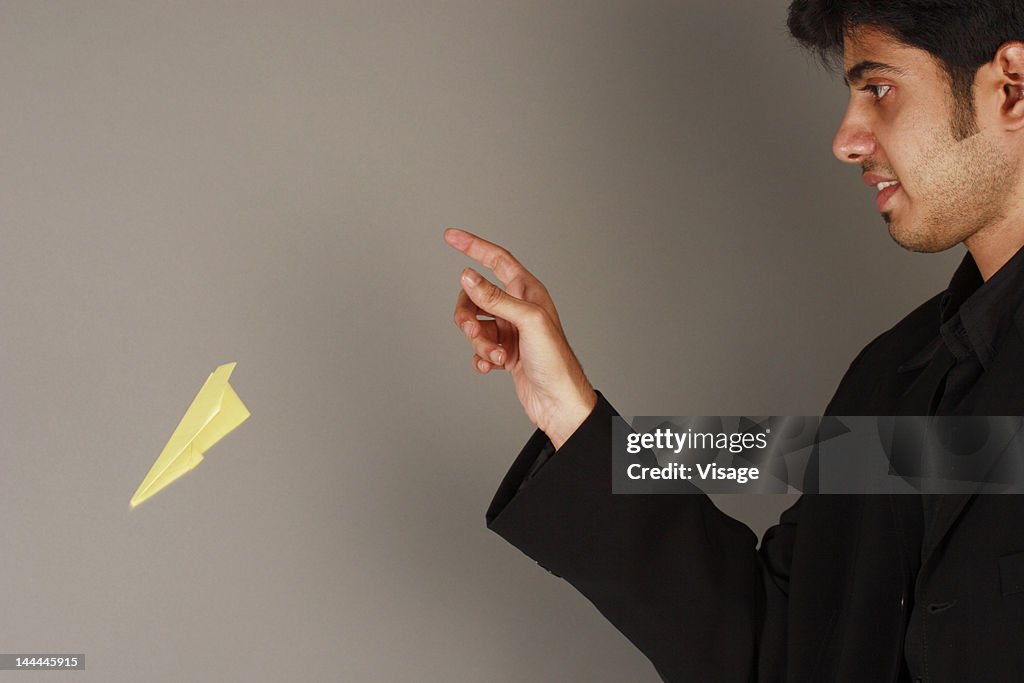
x: 974, y: 312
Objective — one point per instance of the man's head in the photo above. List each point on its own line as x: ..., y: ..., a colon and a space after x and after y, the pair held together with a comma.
x: 936, y: 104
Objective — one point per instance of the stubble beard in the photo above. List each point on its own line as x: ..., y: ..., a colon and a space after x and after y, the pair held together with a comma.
x: 963, y: 189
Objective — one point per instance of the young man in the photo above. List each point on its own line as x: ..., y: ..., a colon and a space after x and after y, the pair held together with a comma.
x: 844, y: 588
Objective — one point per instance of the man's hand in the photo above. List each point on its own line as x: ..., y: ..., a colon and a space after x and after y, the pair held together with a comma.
x: 525, y: 338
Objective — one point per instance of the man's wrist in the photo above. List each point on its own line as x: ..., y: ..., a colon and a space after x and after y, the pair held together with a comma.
x: 569, y: 419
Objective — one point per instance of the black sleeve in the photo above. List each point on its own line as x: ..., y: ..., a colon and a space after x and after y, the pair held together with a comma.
x: 682, y: 581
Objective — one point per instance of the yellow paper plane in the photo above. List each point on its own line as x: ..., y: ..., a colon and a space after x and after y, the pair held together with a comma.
x: 215, y: 412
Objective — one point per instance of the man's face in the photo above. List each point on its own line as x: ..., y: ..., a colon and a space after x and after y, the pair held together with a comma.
x: 898, y: 127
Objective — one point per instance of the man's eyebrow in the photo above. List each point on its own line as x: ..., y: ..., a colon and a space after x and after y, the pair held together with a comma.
x: 856, y: 72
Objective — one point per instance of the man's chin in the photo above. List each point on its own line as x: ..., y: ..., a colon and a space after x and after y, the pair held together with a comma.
x: 913, y: 241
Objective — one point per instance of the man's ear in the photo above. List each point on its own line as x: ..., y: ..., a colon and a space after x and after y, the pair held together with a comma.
x: 1009, y: 63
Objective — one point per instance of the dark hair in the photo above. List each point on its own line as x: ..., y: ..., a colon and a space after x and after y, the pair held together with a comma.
x: 961, y: 34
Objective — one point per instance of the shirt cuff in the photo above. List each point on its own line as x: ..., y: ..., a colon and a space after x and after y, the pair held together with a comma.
x: 539, y: 450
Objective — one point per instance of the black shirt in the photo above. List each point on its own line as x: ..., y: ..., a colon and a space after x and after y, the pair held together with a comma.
x: 974, y: 317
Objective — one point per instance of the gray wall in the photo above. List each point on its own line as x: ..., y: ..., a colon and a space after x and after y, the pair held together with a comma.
x: 184, y: 184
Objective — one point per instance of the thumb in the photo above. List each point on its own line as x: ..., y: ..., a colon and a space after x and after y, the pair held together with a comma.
x: 494, y: 301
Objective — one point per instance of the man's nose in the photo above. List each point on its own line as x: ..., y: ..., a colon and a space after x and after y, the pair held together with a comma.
x: 853, y: 142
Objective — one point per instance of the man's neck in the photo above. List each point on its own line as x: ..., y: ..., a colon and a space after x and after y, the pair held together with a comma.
x: 992, y: 248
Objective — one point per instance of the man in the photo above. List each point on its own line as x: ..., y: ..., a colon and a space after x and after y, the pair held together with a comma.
x: 844, y: 588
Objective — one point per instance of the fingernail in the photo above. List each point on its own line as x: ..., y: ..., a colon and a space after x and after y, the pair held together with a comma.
x: 496, y: 356
x: 470, y: 277
x: 467, y: 328
x: 456, y: 238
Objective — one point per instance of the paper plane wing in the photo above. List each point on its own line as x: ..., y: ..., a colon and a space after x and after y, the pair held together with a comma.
x: 215, y: 411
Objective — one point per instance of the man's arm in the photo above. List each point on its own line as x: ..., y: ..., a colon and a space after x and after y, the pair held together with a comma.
x: 683, y: 581
x: 680, y: 579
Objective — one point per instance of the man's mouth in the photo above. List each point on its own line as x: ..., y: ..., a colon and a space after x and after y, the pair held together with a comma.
x: 887, y: 187
x: 886, y: 190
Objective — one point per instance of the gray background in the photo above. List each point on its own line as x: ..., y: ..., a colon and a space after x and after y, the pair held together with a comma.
x: 184, y: 184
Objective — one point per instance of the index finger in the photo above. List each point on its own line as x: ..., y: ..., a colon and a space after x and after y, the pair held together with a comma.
x: 495, y: 257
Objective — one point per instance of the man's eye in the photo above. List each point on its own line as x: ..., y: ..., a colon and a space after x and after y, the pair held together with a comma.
x: 878, y: 91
